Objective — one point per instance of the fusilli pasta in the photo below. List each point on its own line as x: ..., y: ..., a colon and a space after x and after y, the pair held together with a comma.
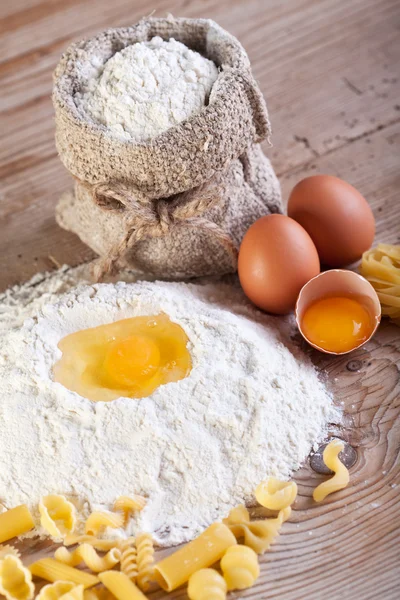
x: 341, y: 474
x: 240, y: 567
x: 145, y: 560
x: 207, y: 584
x: 129, y: 559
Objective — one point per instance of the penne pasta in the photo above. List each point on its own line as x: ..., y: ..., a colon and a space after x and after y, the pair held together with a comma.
x: 100, y: 520
x: 88, y: 555
x: 121, y: 586
x: 52, y: 570
x: 15, y: 522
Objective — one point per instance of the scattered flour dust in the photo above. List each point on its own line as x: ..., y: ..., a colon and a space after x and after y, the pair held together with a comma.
x: 147, y: 88
x: 252, y: 405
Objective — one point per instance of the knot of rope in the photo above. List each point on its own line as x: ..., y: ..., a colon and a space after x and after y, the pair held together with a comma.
x: 145, y: 218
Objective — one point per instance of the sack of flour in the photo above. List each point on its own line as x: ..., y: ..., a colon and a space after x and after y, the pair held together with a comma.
x: 178, y: 204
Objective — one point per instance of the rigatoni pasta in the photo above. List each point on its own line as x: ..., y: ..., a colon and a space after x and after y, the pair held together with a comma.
x: 341, y: 476
x: 121, y: 586
x: 52, y: 570
x: 15, y: 522
x: 88, y: 555
x: 15, y: 579
x: 202, y: 552
x: 57, y: 515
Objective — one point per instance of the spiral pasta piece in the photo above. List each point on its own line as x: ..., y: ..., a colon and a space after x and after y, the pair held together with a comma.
x: 381, y: 267
x: 145, y: 560
x: 15, y: 579
x: 129, y: 504
x: 129, y: 559
x: 102, y: 545
x: 258, y: 535
x: 240, y: 567
x: 341, y: 476
x: 88, y: 555
x: 57, y: 515
x: 100, y: 520
x: 275, y: 494
x: 207, y: 584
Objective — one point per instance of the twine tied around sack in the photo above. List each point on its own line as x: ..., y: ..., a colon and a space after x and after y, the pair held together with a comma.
x: 147, y: 218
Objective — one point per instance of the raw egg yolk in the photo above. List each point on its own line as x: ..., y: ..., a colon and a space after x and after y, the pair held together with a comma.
x: 337, y: 324
x: 129, y: 358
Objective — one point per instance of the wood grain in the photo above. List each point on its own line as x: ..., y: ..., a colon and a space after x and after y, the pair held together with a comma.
x: 329, y: 71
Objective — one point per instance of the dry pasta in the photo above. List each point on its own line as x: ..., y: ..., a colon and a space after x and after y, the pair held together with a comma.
x: 88, y: 555
x: 52, y: 570
x: 97, y: 593
x: 99, y: 520
x: 207, y: 584
x: 57, y: 515
x: 15, y: 522
x: 129, y: 504
x: 145, y: 560
x: 15, y: 579
x: 381, y: 267
x: 102, y: 545
x: 259, y: 534
x: 275, y: 494
x: 202, y: 552
x: 61, y: 589
x: 129, y: 559
x: 7, y: 550
x: 121, y: 586
x: 240, y: 567
x: 341, y: 474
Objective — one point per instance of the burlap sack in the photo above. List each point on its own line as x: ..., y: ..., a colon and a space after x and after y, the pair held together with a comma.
x: 179, y: 204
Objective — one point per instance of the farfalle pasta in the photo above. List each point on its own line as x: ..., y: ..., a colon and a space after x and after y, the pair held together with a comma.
x: 240, y: 567
x: 61, y: 589
x: 15, y: 579
x: 259, y: 534
x: 129, y: 504
x: 207, y: 584
x: 145, y: 560
x: 88, y: 555
x: 129, y: 564
x: 57, y: 515
x: 275, y: 494
x: 341, y: 476
x: 98, y: 521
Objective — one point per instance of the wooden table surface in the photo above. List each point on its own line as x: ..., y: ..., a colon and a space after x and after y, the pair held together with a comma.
x: 330, y: 72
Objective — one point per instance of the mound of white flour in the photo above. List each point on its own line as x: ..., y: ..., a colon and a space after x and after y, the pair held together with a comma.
x: 252, y: 406
x: 147, y: 88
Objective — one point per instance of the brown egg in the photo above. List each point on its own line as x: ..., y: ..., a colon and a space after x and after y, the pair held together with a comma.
x: 338, y: 219
x: 276, y: 258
